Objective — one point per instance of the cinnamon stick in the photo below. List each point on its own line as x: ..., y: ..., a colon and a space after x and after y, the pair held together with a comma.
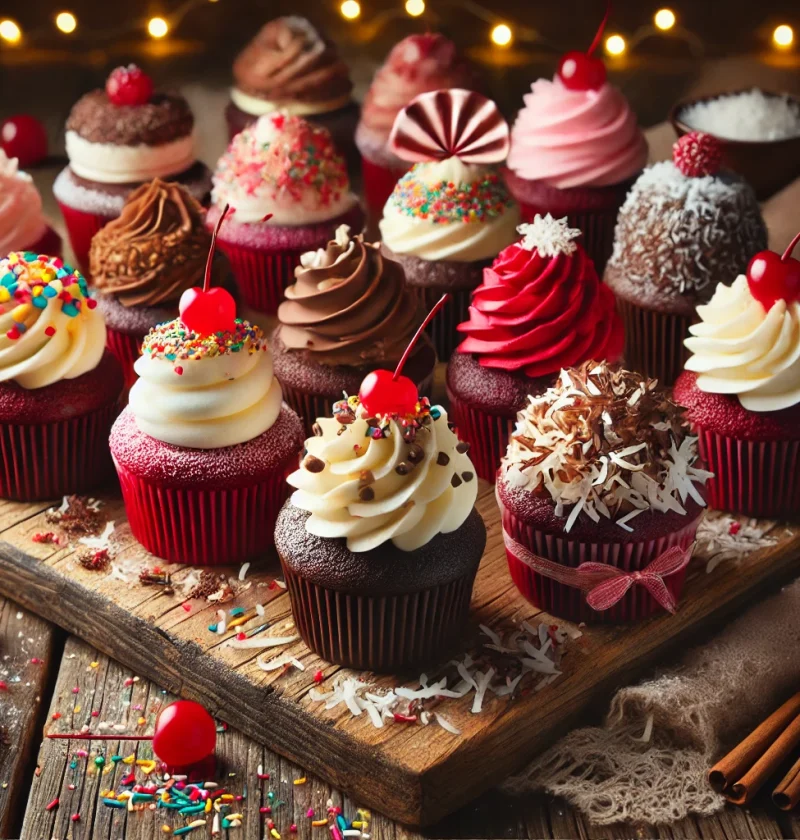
x: 787, y: 795
x: 745, y: 764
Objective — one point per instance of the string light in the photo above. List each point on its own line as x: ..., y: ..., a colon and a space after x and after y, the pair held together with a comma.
x: 502, y: 35
x: 350, y: 9
x: 664, y: 19
x: 157, y: 27
x: 10, y: 32
x: 615, y: 45
x: 415, y: 7
x: 66, y: 22
x: 783, y: 36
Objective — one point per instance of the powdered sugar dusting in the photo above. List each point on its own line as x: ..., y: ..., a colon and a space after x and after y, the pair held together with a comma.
x: 752, y: 115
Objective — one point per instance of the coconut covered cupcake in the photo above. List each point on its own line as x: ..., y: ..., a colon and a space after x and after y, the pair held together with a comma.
x: 59, y: 389
x: 347, y: 313
x: 684, y: 225
x: 541, y: 307
x: 601, y: 494
x: 289, y: 190
x: 419, y: 63
x: 451, y: 214
x: 118, y: 139
x: 741, y: 388
x: 290, y: 67
x: 23, y: 226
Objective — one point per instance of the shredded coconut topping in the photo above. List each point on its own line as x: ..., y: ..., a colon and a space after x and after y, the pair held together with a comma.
x: 752, y: 115
x: 549, y: 236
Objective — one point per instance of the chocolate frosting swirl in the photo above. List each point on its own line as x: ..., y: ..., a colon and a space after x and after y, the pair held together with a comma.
x: 289, y: 61
x: 349, y: 305
x: 154, y: 250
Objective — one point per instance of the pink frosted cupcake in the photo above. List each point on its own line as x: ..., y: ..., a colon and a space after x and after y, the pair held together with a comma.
x: 419, y: 63
x: 575, y: 148
x: 289, y: 190
x: 22, y: 224
x: 600, y: 496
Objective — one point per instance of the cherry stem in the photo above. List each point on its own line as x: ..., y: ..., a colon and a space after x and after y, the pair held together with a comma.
x: 599, y: 36
x: 428, y: 318
x: 210, y: 260
x: 87, y: 736
x: 788, y: 252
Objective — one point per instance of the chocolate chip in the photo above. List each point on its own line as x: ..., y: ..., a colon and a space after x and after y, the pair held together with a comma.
x: 467, y: 476
x: 313, y: 464
x: 403, y: 468
x: 442, y: 459
x: 462, y: 447
x: 415, y: 453
x: 456, y: 481
x: 317, y: 429
x: 366, y: 494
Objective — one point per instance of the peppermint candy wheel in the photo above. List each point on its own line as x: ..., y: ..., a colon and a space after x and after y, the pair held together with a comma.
x: 450, y: 123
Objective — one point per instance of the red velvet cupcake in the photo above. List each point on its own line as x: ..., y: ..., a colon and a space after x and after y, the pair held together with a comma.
x: 59, y: 389
x: 741, y: 389
x: 289, y: 190
x: 540, y: 308
x: 118, y: 139
x: 600, y: 497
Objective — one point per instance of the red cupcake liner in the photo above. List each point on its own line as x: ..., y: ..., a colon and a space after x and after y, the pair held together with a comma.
x: 127, y: 349
x: 48, y: 460
x: 570, y: 603
x: 378, y: 183
x: 487, y: 434
x: 756, y: 478
x: 654, y: 341
x: 442, y: 329
x: 379, y: 633
x: 204, y: 527
x: 81, y: 227
x: 48, y: 243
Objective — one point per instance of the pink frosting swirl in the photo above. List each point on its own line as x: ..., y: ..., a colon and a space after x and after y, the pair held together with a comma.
x: 576, y: 138
x: 21, y: 221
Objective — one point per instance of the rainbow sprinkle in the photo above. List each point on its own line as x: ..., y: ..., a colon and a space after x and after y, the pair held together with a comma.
x: 348, y: 410
x: 173, y: 341
x: 445, y: 202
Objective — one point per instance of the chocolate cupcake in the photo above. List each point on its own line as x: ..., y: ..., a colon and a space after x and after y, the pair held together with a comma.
x: 348, y: 312
x: 117, y: 139
x: 451, y: 214
x: 684, y: 225
x: 289, y: 66
x: 143, y: 261
x: 380, y: 543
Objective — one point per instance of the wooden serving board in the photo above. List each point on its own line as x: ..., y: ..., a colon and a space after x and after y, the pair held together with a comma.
x: 415, y: 774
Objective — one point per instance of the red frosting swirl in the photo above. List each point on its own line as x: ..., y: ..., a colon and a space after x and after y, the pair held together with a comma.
x: 539, y: 314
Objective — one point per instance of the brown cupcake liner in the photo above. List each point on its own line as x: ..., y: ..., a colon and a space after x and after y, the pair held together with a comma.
x: 654, y: 341
x: 386, y: 633
x: 487, y: 435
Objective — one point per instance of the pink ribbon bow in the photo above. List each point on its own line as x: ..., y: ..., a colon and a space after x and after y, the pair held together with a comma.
x: 606, y: 585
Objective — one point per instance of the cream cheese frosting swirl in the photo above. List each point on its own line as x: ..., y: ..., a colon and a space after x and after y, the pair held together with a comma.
x: 741, y: 348
x: 205, y: 392
x: 49, y: 327
x: 369, y: 490
x: 21, y: 221
x: 450, y: 210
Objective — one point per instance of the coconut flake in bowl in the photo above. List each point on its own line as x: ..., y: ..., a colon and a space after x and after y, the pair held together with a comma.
x: 751, y: 115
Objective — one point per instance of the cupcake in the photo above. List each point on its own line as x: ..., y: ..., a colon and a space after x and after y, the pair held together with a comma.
x: 541, y: 307
x: 290, y: 67
x: 204, y: 446
x: 575, y: 149
x: 741, y: 388
x: 684, y: 225
x: 451, y: 214
x: 380, y: 542
x: 117, y: 139
x: 289, y: 190
x: 22, y: 223
x: 59, y: 388
x: 145, y: 259
x: 347, y: 313
x: 419, y: 63
x: 600, y: 496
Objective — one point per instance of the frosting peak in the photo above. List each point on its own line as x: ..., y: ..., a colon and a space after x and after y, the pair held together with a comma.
x: 155, y: 249
x: 22, y: 223
x: 349, y: 305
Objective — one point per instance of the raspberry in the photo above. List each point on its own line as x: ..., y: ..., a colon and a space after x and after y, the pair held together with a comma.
x: 697, y: 154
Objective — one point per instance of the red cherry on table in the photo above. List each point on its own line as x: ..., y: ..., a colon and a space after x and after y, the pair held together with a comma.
x: 24, y: 137
x: 129, y: 86
x: 185, y: 733
x: 579, y: 71
x: 208, y: 312
x: 382, y: 393
x: 772, y: 277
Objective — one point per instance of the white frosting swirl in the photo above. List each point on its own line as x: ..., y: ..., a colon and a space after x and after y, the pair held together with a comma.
x: 206, y: 401
x: 407, y: 228
x: 21, y: 221
x: 408, y: 509
x: 744, y: 349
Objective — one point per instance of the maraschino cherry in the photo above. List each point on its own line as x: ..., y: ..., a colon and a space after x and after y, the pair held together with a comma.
x: 209, y: 310
x: 129, y: 86
x: 23, y: 137
x: 383, y: 392
x: 581, y: 71
x: 772, y: 277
